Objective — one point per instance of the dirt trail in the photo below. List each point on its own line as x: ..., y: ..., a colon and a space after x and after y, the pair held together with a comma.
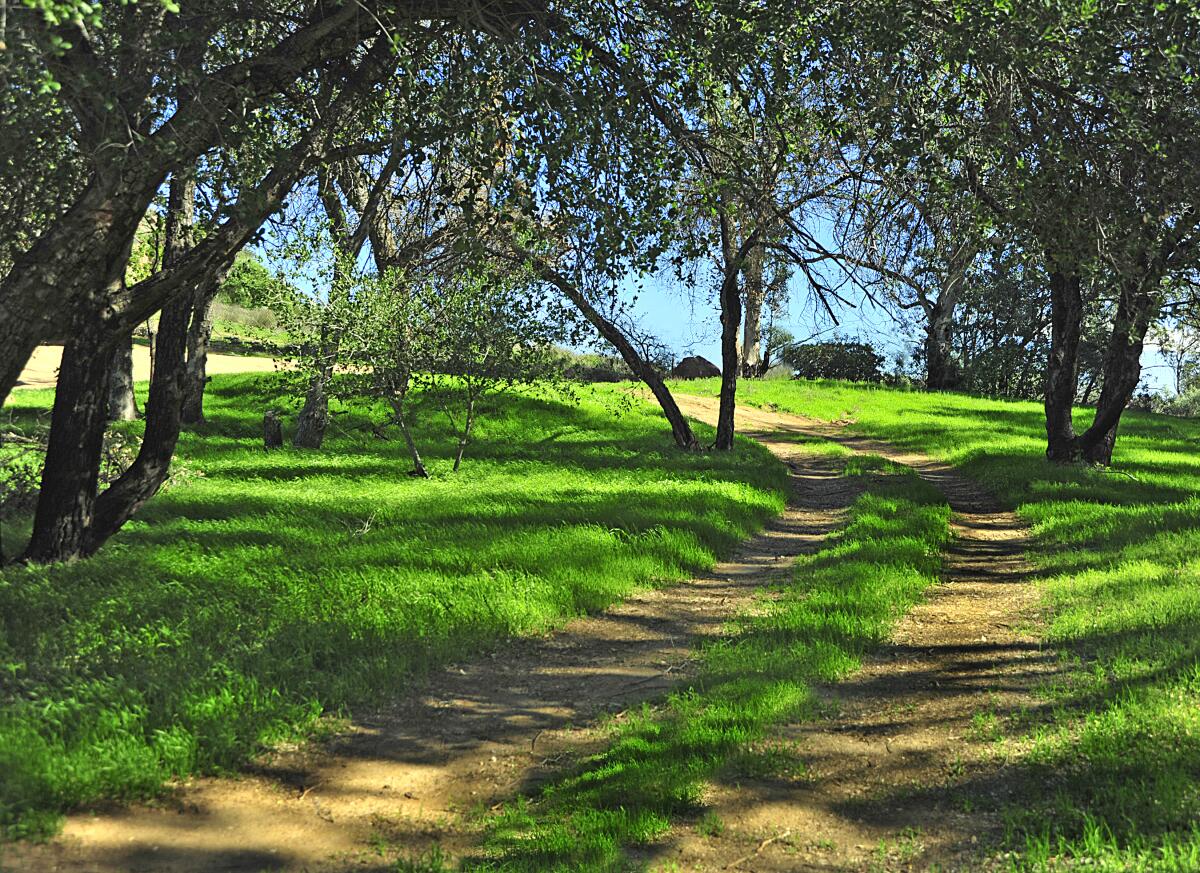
x: 41, y: 371
x: 483, y: 730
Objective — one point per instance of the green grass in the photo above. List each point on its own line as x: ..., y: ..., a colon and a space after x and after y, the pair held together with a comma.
x: 841, y: 603
x: 263, y: 590
x: 1110, y: 772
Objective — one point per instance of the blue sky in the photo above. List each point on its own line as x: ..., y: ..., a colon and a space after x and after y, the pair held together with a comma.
x: 689, y: 325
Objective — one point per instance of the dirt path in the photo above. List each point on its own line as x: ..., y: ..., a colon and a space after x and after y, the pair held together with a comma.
x: 903, y: 775
x: 42, y: 369
x: 481, y: 731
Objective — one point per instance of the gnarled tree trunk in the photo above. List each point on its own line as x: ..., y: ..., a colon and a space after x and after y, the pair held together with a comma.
x: 940, y: 371
x: 314, y: 416
x: 1138, y: 306
x: 1062, y: 371
x: 71, y: 521
x: 198, y: 338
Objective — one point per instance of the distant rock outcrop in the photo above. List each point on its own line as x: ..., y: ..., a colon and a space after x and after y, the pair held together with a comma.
x: 695, y: 367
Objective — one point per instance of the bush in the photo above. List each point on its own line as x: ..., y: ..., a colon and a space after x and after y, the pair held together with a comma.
x: 839, y: 359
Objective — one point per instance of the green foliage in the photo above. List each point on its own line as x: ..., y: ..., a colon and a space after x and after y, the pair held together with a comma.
x: 1111, y: 772
x: 839, y: 359
x: 249, y: 283
x: 841, y: 603
x: 271, y: 588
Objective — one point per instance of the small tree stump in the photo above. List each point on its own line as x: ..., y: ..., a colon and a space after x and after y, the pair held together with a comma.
x: 272, y: 430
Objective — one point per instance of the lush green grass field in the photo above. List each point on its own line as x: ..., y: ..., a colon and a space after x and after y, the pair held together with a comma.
x: 842, y: 602
x: 263, y: 590
x: 1113, y: 765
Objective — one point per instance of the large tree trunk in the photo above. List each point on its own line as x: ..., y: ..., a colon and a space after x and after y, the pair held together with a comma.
x: 731, y: 319
x: 198, y: 339
x: 752, y: 360
x: 1138, y: 306
x: 121, y: 403
x: 71, y: 470
x: 940, y: 371
x: 1062, y: 371
x: 149, y: 469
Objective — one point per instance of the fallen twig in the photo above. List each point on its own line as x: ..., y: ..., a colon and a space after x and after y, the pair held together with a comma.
x: 780, y: 836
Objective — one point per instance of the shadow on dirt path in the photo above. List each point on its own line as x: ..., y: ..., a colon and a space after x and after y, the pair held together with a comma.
x: 903, y: 774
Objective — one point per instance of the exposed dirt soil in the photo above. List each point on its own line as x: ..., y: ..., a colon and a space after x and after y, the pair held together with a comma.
x: 881, y: 768
x: 42, y: 369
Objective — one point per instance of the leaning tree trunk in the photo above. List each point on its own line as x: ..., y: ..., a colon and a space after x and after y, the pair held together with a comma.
x: 641, y: 368
x: 1138, y: 306
x: 66, y: 500
x: 149, y: 469
x: 121, y: 403
x: 70, y: 520
x: 198, y: 339
x: 1062, y: 369
x: 752, y: 360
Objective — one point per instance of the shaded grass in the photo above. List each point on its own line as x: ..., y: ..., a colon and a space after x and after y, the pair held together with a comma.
x: 841, y: 603
x: 1111, y: 777
x: 267, y: 589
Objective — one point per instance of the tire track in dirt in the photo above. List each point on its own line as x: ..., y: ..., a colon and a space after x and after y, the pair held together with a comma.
x: 475, y: 735
x: 901, y: 776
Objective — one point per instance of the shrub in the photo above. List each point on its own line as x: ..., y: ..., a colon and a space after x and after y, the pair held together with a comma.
x: 839, y: 359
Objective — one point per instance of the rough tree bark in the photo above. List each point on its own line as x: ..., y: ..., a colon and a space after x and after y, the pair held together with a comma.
x: 198, y: 339
x: 731, y: 318
x: 121, y: 403
x: 733, y: 259
x: 70, y: 520
x: 940, y: 372
x: 1138, y: 305
x: 752, y: 359
x: 67, y: 498
x: 1062, y: 369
